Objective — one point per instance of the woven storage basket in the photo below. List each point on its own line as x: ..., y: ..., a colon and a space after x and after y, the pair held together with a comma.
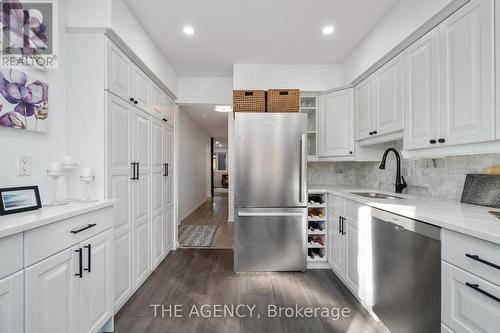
x: 249, y: 100
x: 283, y: 100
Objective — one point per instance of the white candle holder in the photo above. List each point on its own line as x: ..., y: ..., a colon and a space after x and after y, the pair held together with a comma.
x: 87, y: 180
x: 55, y: 175
x: 68, y: 168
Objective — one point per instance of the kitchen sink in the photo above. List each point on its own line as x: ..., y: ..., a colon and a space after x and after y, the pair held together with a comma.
x: 377, y: 195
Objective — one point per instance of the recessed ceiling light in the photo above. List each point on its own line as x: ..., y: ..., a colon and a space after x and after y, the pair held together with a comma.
x: 188, y: 30
x: 329, y: 29
x: 223, y: 108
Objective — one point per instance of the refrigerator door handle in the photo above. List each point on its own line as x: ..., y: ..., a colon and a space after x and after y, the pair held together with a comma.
x: 302, y: 169
x: 269, y: 214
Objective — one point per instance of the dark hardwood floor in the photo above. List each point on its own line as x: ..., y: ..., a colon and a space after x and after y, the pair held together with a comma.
x: 192, y: 277
x: 215, y: 211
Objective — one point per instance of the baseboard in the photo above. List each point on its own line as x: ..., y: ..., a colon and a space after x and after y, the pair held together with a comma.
x: 192, y: 210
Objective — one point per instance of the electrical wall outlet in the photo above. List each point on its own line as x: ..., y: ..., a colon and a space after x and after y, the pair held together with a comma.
x: 24, y: 165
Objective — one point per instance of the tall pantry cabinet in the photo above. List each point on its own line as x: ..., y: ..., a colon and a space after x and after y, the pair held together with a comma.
x: 125, y: 131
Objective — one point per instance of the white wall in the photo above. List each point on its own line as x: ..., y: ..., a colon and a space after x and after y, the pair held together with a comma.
x: 193, y: 165
x: 41, y: 147
x: 205, y: 90
x: 406, y: 17
x: 126, y: 25
x: 303, y: 77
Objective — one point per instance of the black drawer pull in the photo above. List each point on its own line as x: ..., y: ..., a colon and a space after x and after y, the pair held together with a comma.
x: 475, y: 286
x: 80, y: 264
x: 476, y: 257
x: 343, y: 220
x: 432, y: 142
x: 375, y: 132
x: 340, y: 228
x: 441, y: 140
x: 74, y: 232
x: 89, y: 257
x: 165, y: 119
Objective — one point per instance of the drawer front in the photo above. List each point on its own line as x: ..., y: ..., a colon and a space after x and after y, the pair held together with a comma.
x: 12, y: 262
x: 356, y: 210
x: 336, y: 203
x: 456, y: 247
x: 465, y: 309
x: 45, y: 241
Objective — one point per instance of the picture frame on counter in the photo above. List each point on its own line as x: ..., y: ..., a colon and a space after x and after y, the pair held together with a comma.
x: 19, y: 199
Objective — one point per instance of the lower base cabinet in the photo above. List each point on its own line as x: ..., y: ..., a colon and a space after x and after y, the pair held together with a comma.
x: 12, y: 303
x: 71, y: 290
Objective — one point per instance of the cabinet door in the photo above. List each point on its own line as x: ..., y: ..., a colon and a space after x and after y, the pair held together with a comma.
x: 389, y: 98
x: 117, y: 71
x: 336, y: 124
x: 467, y: 55
x: 12, y: 303
x: 365, y: 108
x: 351, y: 254
x: 157, y: 101
x: 158, y: 167
x: 169, y: 159
x: 464, y: 309
x: 122, y: 267
x: 422, y: 98
x: 52, y: 294
x: 337, y: 244
x: 95, y: 286
x: 168, y: 109
x: 141, y: 196
x: 139, y: 85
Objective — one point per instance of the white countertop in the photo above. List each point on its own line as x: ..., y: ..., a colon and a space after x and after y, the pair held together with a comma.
x: 16, y: 223
x: 464, y: 218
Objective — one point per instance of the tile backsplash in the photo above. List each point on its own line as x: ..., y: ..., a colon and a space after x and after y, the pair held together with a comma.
x: 439, y: 177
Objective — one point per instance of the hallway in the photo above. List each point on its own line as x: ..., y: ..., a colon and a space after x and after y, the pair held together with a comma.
x: 214, y: 212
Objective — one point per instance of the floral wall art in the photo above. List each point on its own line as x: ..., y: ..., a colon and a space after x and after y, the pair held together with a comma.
x: 24, y: 101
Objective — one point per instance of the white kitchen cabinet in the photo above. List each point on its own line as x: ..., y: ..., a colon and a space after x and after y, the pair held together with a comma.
x: 467, y: 77
x: 168, y: 188
x: 139, y: 88
x: 52, y: 293
x: 365, y: 108
x: 352, y: 267
x: 141, y: 127
x: 389, y: 98
x: 95, y: 286
x: 158, y: 167
x: 422, y: 98
x: 168, y: 110
x: 336, y: 124
x: 123, y: 285
x: 117, y: 71
x: 157, y: 100
x: 465, y: 309
x: 12, y: 303
x: 337, y: 244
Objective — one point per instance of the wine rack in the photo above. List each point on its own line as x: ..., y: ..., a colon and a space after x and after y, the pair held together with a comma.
x: 316, y: 228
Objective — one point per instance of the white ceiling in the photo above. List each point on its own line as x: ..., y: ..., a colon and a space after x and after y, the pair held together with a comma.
x: 214, y: 123
x: 231, y: 32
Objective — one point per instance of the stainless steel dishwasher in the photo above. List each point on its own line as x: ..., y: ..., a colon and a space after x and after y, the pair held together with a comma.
x: 406, y: 273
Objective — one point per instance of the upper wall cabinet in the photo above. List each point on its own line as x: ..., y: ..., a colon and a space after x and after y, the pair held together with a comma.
x: 117, y: 73
x: 336, y: 124
x: 422, y: 99
x: 379, y: 103
x: 139, y: 88
x: 467, y: 79
x: 450, y: 81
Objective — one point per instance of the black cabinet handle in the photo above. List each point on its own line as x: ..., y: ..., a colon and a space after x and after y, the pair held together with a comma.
x: 350, y: 153
x: 343, y: 220
x: 167, y: 169
x: 165, y: 119
x: 340, y: 227
x: 133, y: 170
x: 136, y: 102
x: 89, y: 257
x: 164, y: 169
x: 80, y: 264
x: 374, y: 132
x: 477, y: 258
x: 441, y: 140
x: 475, y: 286
x: 74, y: 232
x: 138, y: 169
x: 371, y: 133
x: 131, y: 99
x: 432, y: 142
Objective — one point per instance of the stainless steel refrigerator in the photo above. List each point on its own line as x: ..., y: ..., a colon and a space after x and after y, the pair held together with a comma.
x: 270, y: 192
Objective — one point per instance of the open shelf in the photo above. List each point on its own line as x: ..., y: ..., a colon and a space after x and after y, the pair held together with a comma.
x: 316, y: 232
x: 318, y: 207
x: 317, y: 259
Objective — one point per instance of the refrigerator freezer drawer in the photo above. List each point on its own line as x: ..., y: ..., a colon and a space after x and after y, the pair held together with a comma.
x: 271, y: 240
